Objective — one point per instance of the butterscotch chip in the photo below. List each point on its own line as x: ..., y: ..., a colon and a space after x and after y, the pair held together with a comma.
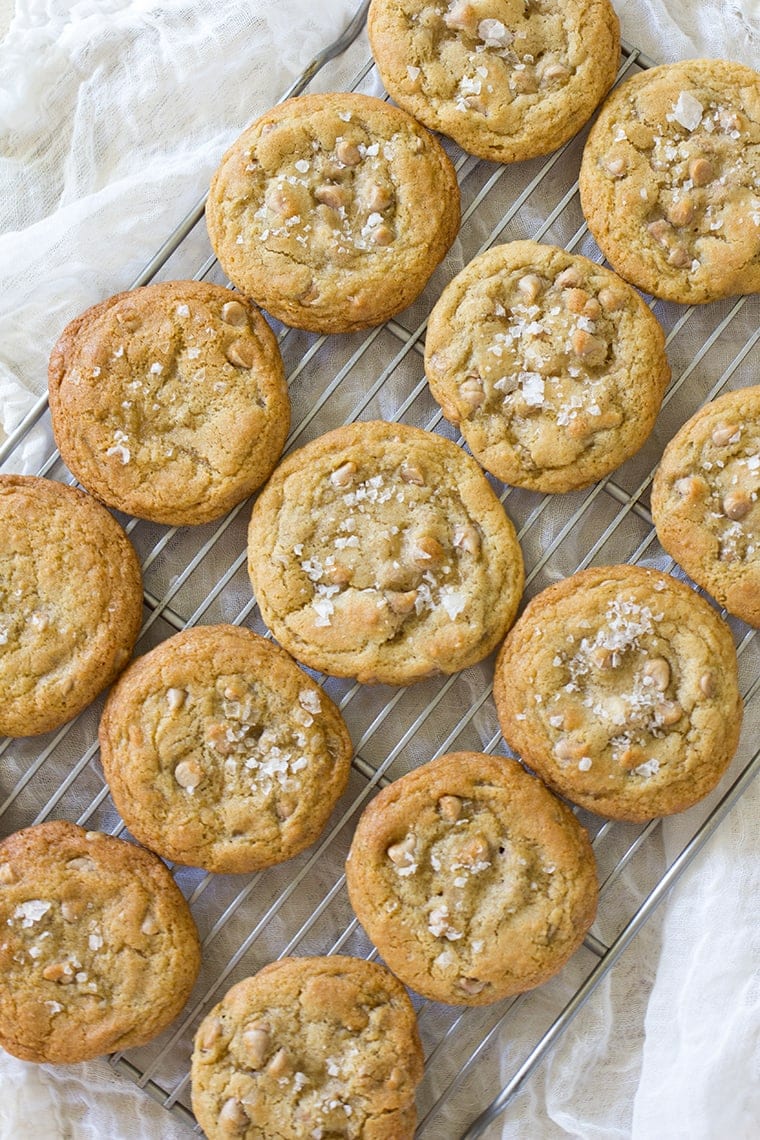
x: 309, y: 1047
x: 71, y: 606
x: 706, y: 500
x: 552, y: 367
x: 99, y: 950
x: 619, y: 687
x: 170, y: 402
x: 507, y: 81
x: 497, y: 886
x: 221, y: 753
x: 332, y: 211
x: 669, y: 180
x: 431, y: 572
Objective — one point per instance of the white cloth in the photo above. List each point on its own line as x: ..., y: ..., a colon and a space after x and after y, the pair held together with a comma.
x: 113, y: 115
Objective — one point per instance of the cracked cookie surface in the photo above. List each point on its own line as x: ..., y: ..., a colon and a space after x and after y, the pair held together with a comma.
x: 309, y: 1047
x: 472, y: 879
x: 221, y: 753
x: 552, y: 367
x: 98, y: 950
x: 169, y: 402
x: 670, y: 180
x: 379, y: 551
x: 619, y: 686
x: 70, y: 602
x: 332, y: 211
x: 506, y: 79
x: 706, y: 500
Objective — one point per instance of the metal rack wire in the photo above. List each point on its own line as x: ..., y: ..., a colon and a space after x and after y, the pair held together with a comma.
x: 198, y: 575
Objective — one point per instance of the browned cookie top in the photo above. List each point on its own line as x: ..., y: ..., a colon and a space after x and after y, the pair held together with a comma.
x: 670, y: 180
x: 169, y: 402
x: 332, y: 211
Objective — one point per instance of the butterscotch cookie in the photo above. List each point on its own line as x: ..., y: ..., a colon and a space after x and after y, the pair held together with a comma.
x: 552, y: 367
x: 332, y: 211
x: 506, y: 80
x: 705, y: 500
x: 619, y: 686
x: 309, y: 1047
x: 98, y: 951
x: 472, y: 879
x: 70, y: 603
x: 170, y: 402
x: 669, y: 180
x: 379, y: 551
x: 221, y: 753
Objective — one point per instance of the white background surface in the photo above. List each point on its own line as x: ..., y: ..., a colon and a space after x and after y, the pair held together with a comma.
x: 113, y: 115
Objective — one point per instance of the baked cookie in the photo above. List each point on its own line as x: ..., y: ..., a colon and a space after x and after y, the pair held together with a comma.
x: 221, y: 753
x: 309, y: 1047
x: 70, y: 603
x: 506, y: 80
x: 619, y: 686
x: 332, y: 211
x: 552, y: 367
x: 170, y: 402
x: 670, y: 180
x: 705, y: 500
x: 472, y: 879
x: 379, y: 551
x: 99, y: 950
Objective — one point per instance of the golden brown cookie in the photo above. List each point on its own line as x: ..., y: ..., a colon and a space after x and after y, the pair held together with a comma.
x: 472, y: 879
x: 70, y: 603
x: 670, y: 180
x: 99, y: 950
x: 332, y: 211
x: 619, y: 686
x: 309, y: 1047
x: 705, y: 500
x: 379, y: 551
x: 552, y: 367
x: 221, y: 753
x: 170, y: 402
x: 507, y: 80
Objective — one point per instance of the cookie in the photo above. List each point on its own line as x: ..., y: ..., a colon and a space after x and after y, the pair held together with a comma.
x: 705, y: 500
x: 309, y: 1047
x: 170, y: 402
x: 379, y: 551
x: 507, y: 81
x: 99, y: 950
x: 669, y: 180
x: 221, y: 753
x: 333, y: 210
x: 619, y: 687
x: 472, y: 879
x: 70, y: 603
x: 552, y: 367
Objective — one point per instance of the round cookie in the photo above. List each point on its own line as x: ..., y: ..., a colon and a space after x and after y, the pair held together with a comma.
x: 221, y: 753
x: 379, y: 551
x: 669, y: 180
x: 99, y: 950
x: 70, y: 603
x: 169, y: 402
x: 552, y: 367
x: 619, y: 687
x: 507, y: 81
x: 472, y: 879
x: 333, y: 210
x: 309, y: 1047
x: 705, y: 500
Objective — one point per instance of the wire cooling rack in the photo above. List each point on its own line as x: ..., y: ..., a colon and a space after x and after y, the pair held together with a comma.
x: 476, y: 1062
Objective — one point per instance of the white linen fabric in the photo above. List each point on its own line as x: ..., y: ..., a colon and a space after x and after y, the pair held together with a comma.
x: 113, y: 115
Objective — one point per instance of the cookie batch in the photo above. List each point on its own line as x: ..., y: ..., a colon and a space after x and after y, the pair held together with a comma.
x: 381, y: 552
